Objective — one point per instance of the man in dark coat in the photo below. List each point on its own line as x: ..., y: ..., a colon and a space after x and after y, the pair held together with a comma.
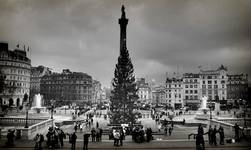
x: 200, y: 143
x: 100, y: 134
x: 221, y: 132
x: 214, y: 136
x: 149, y: 134
x: 40, y: 142
x: 93, y: 132
x: 86, y: 141
x: 121, y: 138
x: 210, y: 130
x: 237, y: 130
x: 73, y: 141
x: 61, y: 136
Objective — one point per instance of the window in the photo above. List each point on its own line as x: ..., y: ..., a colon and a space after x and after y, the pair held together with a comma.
x: 186, y: 91
x: 191, y: 91
x: 186, y: 97
x: 195, y: 80
x: 209, y: 82
x: 216, y: 86
x: 191, y: 86
x: 209, y: 91
x: 195, y: 91
x: 209, y: 77
x: 209, y: 86
x: 186, y: 86
x: 203, y: 82
x: 215, y: 81
x: 195, y: 86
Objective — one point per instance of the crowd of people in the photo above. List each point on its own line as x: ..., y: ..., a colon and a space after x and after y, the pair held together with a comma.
x: 140, y: 135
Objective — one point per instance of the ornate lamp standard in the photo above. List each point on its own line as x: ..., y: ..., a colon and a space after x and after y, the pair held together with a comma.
x: 52, y: 109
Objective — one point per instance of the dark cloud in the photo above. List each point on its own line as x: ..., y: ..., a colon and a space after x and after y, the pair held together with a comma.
x: 163, y: 35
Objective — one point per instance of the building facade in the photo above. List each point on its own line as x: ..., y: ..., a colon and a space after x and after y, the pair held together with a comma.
x: 144, y: 91
x: 237, y: 88
x: 174, y: 93
x: 67, y: 87
x: 214, y: 84
x: 97, y: 91
x: 158, y: 95
x: 191, y: 92
x: 36, y: 74
x: 15, y: 67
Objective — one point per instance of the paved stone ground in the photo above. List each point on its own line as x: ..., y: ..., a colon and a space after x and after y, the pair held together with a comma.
x: 155, y: 145
x: 178, y: 139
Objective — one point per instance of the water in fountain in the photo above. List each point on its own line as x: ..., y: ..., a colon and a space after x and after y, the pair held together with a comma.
x: 202, y: 113
x: 37, y: 107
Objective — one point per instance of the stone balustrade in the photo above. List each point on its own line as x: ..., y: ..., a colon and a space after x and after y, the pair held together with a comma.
x: 228, y: 126
x: 14, y: 121
x: 239, y: 121
x: 41, y: 128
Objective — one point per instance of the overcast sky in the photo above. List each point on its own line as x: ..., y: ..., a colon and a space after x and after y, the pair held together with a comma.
x: 163, y: 36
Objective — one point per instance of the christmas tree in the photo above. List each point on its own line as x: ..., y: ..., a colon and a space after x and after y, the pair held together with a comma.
x: 124, y: 93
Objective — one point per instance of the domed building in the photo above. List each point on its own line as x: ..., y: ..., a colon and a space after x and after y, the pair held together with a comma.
x: 15, y: 71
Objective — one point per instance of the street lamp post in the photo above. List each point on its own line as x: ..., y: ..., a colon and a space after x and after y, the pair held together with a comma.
x: 210, y: 109
x: 26, y: 118
x: 52, y: 110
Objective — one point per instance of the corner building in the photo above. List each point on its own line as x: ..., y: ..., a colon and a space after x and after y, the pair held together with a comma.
x: 15, y: 67
x: 214, y: 84
x: 66, y: 87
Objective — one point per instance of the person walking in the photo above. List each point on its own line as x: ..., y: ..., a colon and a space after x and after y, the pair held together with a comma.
x: 170, y: 131
x: 93, y: 133
x: 76, y: 127
x: 159, y: 127
x: 40, y: 142
x: 121, y: 137
x: 200, y: 143
x: 61, y: 136
x: 73, y: 141
x: 100, y: 134
x: 116, y: 138
x: 148, y: 134
x: 86, y: 141
x: 221, y: 132
x: 36, y: 139
x: 210, y: 130
x: 97, y: 125
x: 237, y: 131
x: 97, y: 135
x: 165, y: 130
x: 214, y: 142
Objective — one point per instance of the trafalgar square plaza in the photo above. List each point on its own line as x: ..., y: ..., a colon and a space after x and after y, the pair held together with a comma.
x: 59, y: 117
